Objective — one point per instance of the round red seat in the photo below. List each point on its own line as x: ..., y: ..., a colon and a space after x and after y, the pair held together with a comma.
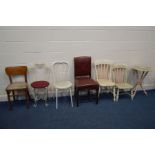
x: 40, y: 84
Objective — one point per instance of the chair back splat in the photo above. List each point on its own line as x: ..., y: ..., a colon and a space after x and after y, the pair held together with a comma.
x: 16, y: 71
x: 120, y: 74
x: 82, y: 66
x: 60, y: 71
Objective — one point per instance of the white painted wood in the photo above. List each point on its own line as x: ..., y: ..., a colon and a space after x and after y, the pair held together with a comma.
x: 29, y: 45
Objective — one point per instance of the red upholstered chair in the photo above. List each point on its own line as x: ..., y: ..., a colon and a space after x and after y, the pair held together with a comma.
x: 82, y: 75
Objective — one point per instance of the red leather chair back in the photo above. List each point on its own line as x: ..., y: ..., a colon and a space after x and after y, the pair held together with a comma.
x: 82, y: 66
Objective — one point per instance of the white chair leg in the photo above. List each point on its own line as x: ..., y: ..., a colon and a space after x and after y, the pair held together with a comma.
x: 56, y: 95
x: 117, y: 95
x: 46, y: 97
x: 35, y: 98
x: 114, y: 94
x: 131, y: 95
x: 99, y: 91
x: 70, y: 90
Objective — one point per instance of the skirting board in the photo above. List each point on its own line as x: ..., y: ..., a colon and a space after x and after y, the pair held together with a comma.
x: 3, y: 97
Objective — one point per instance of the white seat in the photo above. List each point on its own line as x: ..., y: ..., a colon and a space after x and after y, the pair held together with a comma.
x: 61, y: 82
x: 106, y: 83
x: 63, y: 85
x: 103, y: 76
x: 124, y: 86
x: 120, y: 79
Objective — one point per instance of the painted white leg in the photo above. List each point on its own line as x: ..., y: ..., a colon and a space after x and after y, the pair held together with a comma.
x: 35, y: 98
x: 134, y: 92
x: 143, y: 90
x: 56, y: 95
x: 117, y: 95
x: 46, y: 97
x: 70, y: 90
x: 99, y: 91
x: 114, y: 94
x: 131, y: 95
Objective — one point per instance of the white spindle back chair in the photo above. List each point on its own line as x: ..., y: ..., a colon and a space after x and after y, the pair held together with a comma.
x: 103, y: 75
x: 61, y: 76
x: 120, y: 77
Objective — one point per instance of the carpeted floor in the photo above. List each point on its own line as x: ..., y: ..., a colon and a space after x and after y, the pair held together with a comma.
x: 125, y: 114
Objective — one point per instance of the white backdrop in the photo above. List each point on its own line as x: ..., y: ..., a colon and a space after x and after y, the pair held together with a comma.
x: 29, y: 45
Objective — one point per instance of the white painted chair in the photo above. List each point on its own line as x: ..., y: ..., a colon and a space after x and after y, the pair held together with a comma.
x: 120, y: 77
x: 103, y: 76
x: 41, y: 73
x: 61, y: 82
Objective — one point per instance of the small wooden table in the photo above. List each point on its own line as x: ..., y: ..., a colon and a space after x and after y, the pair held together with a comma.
x: 141, y: 72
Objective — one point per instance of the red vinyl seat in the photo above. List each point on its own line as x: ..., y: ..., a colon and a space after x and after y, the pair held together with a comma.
x: 82, y: 75
x: 40, y: 84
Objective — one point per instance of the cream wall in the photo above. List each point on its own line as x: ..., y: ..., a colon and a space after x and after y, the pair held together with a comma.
x: 29, y: 45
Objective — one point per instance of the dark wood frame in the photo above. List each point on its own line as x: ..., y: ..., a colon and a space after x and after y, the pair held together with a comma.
x: 88, y: 76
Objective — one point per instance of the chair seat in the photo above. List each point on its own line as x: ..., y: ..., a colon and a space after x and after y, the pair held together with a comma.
x: 124, y: 86
x: 40, y: 84
x: 86, y: 83
x: 106, y: 83
x: 17, y: 86
x: 63, y: 85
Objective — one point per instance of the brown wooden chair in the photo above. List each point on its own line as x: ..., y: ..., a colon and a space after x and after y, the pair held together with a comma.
x: 82, y: 75
x: 17, y: 88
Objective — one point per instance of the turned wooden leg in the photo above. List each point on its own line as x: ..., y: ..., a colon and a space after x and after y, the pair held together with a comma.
x: 27, y: 98
x: 88, y: 94
x: 97, y: 95
x: 13, y: 93
x: 9, y: 100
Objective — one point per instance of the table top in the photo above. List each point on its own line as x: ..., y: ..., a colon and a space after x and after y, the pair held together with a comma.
x: 142, y: 68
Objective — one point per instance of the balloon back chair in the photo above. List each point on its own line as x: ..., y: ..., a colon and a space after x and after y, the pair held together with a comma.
x: 120, y: 77
x: 82, y: 75
x: 17, y: 88
x: 40, y: 82
x: 103, y: 76
x: 61, y: 82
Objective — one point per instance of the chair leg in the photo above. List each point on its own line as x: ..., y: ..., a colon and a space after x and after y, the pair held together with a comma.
x: 99, y: 91
x: 114, y: 94
x: 97, y: 95
x: 46, y: 96
x: 88, y: 93
x: 70, y: 90
x: 13, y: 93
x: 56, y: 95
x: 77, y: 97
x: 35, y: 98
x: 27, y: 98
x: 117, y: 95
x: 131, y: 93
x: 9, y: 100
x: 75, y: 92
